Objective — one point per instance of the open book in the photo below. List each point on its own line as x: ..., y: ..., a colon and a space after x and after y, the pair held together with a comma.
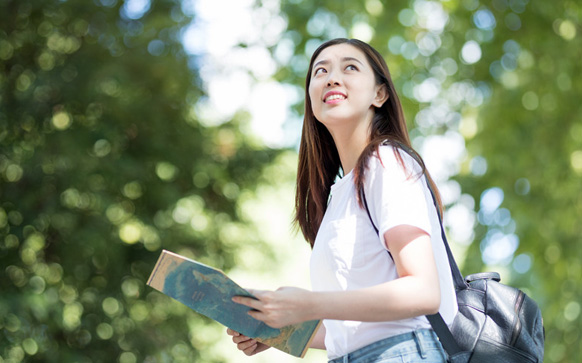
x: 209, y: 291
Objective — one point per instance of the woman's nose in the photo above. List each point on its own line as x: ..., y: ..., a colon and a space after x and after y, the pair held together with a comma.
x: 332, y: 81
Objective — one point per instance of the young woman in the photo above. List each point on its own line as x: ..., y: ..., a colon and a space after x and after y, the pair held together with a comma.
x: 378, y: 264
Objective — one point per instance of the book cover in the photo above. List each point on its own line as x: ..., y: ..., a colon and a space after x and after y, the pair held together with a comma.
x: 209, y: 291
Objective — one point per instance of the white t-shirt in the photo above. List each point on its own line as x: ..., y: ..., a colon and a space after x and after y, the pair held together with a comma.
x: 348, y: 253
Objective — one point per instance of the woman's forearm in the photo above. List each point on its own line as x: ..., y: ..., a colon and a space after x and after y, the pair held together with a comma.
x: 416, y: 292
x: 399, y: 299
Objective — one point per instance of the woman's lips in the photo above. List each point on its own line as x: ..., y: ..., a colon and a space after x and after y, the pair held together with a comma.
x: 334, y: 97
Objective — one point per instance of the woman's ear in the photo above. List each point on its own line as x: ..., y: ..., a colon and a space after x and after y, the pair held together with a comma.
x: 381, y: 95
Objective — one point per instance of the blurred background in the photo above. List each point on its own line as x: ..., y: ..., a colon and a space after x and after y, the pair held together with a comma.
x: 128, y: 127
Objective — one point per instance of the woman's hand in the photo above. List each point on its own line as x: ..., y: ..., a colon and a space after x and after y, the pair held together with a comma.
x: 286, y: 306
x: 247, y: 345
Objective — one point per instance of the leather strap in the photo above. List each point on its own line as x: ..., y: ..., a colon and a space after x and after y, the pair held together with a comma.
x: 442, y: 331
x: 368, y: 211
x: 436, y: 321
x: 371, y: 221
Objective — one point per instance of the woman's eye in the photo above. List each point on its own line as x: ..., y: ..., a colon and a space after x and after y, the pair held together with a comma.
x: 319, y: 70
x: 351, y: 68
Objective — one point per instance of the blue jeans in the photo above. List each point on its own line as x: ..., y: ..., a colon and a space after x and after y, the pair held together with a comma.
x: 417, y: 346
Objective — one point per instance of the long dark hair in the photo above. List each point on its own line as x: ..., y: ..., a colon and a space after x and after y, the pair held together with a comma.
x: 319, y: 161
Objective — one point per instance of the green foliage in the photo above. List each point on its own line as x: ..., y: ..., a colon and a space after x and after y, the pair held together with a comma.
x: 516, y: 106
x: 102, y: 164
x: 531, y: 136
x: 103, y: 161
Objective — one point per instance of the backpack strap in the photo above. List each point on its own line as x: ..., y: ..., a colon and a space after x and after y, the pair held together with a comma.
x: 363, y: 195
x: 436, y: 320
x: 458, y: 279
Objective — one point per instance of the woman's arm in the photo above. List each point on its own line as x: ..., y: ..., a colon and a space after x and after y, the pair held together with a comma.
x: 416, y: 292
x: 318, y: 341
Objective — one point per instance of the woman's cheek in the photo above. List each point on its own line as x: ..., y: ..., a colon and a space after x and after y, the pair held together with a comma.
x: 315, y: 106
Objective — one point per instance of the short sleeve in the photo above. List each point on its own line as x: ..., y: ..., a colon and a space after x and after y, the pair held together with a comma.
x: 396, y: 194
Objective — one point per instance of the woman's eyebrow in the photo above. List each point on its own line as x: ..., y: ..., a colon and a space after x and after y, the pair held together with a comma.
x: 324, y: 62
x: 349, y: 59
x: 344, y: 59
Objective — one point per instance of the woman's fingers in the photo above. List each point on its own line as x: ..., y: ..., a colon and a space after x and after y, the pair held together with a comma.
x: 251, y: 350
x: 247, y: 301
x: 232, y: 332
x: 250, y: 301
x: 247, y: 345
x: 240, y: 339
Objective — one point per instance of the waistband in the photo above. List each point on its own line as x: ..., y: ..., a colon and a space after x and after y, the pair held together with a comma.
x: 425, y: 339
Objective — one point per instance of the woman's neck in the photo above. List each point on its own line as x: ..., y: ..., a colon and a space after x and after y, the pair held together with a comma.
x: 350, y: 142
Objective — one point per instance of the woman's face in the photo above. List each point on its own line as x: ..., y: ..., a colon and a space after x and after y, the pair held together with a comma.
x: 343, y: 88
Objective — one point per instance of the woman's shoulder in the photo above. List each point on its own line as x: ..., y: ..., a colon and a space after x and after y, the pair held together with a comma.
x: 390, y: 156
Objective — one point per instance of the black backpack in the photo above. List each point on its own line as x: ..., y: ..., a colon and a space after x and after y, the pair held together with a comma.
x: 496, y: 323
